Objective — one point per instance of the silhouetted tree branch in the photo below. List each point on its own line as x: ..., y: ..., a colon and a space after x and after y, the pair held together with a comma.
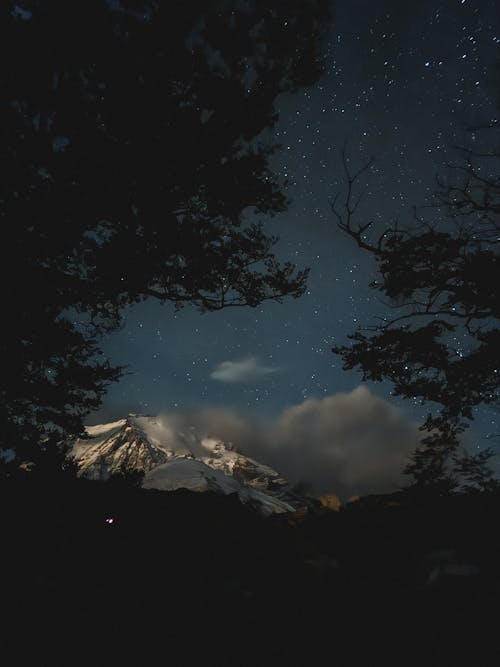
x: 441, y: 276
x: 131, y: 161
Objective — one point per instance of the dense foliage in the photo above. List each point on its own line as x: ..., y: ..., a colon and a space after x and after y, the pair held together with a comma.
x: 130, y: 158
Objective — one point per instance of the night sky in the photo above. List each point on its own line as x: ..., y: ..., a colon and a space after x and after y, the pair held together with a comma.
x: 401, y: 82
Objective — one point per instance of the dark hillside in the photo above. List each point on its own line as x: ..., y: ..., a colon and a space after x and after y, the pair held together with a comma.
x: 188, y: 579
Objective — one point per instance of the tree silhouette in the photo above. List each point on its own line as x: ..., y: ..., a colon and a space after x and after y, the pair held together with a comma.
x: 131, y: 158
x: 442, y: 276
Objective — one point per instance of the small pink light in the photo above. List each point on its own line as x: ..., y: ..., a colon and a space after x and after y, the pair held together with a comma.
x: 109, y: 520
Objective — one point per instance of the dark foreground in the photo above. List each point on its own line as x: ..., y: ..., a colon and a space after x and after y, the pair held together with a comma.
x: 190, y: 579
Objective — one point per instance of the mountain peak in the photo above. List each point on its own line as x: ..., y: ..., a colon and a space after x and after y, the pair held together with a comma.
x: 172, y: 460
x: 120, y: 445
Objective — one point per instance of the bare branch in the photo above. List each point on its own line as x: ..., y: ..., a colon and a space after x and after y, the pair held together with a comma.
x: 351, y: 203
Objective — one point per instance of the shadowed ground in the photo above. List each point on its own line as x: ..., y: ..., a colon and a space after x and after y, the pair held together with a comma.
x: 104, y: 574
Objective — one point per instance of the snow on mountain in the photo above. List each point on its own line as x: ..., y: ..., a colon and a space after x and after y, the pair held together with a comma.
x: 112, y: 447
x: 221, y: 456
x: 172, y: 460
x: 198, y: 476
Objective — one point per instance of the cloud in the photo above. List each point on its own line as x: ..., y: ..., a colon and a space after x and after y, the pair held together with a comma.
x: 246, y: 370
x: 346, y: 443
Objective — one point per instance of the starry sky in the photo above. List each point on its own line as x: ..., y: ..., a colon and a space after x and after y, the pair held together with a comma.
x: 401, y: 81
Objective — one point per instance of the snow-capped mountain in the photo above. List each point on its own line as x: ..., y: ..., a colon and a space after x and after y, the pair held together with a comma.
x: 172, y: 460
x: 115, y: 446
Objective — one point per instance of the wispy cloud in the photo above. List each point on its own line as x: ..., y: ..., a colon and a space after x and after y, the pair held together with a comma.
x: 243, y: 371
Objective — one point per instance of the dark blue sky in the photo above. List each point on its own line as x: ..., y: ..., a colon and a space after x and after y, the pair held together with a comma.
x: 401, y: 82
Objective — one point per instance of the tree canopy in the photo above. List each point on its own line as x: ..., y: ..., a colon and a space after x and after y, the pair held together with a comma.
x: 441, y: 275
x: 131, y: 158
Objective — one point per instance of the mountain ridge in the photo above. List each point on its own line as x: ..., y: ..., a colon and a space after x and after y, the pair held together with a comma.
x: 200, y: 463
